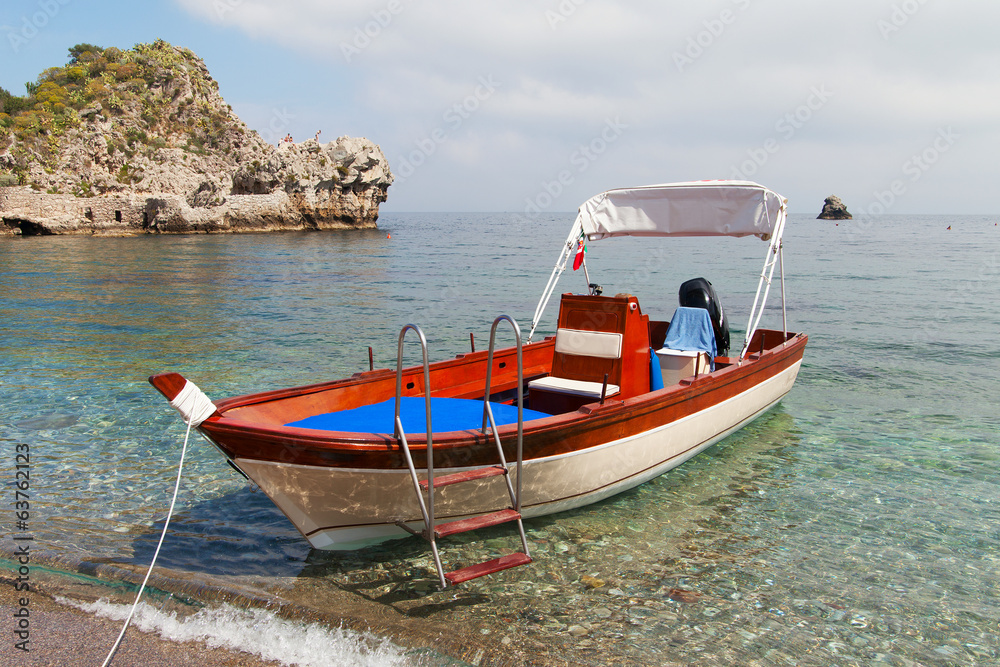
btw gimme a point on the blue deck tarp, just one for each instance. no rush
(447, 414)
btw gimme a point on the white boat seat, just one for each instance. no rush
(579, 343)
(573, 387)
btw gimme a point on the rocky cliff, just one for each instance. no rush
(144, 143)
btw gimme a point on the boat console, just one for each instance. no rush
(602, 346)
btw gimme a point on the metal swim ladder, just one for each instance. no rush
(433, 531)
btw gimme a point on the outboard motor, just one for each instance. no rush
(699, 293)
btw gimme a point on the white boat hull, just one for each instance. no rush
(346, 509)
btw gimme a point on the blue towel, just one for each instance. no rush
(447, 414)
(691, 329)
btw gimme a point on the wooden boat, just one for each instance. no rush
(579, 416)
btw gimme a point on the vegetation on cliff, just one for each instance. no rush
(154, 97)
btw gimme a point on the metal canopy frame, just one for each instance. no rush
(774, 257)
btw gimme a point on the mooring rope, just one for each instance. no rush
(194, 407)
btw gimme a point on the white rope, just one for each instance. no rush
(194, 406)
(170, 512)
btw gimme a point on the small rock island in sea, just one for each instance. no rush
(834, 209)
(140, 141)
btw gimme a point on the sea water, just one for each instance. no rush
(855, 523)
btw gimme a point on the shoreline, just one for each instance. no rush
(64, 635)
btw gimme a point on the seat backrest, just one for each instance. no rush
(587, 355)
(589, 343)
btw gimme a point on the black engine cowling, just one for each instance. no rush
(699, 293)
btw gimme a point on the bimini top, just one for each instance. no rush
(699, 208)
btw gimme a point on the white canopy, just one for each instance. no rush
(700, 208)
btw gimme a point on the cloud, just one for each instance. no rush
(699, 86)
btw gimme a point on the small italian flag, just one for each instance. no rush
(581, 250)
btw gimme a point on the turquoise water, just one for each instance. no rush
(856, 523)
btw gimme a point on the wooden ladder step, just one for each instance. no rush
(489, 567)
(465, 476)
(476, 522)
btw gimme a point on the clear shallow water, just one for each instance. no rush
(857, 523)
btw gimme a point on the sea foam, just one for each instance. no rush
(259, 633)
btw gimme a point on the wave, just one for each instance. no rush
(259, 632)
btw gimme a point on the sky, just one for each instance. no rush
(893, 105)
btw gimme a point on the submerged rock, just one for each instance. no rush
(834, 209)
(51, 422)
